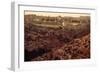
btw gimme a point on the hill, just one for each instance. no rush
(76, 49)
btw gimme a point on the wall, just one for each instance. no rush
(5, 35)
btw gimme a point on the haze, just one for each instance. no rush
(53, 14)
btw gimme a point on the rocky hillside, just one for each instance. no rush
(50, 43)
(76, 49)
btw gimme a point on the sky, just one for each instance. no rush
(53, 14)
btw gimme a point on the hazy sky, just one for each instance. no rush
(56, 14)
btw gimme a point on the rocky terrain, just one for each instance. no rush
(58, 43)
(76, 49)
